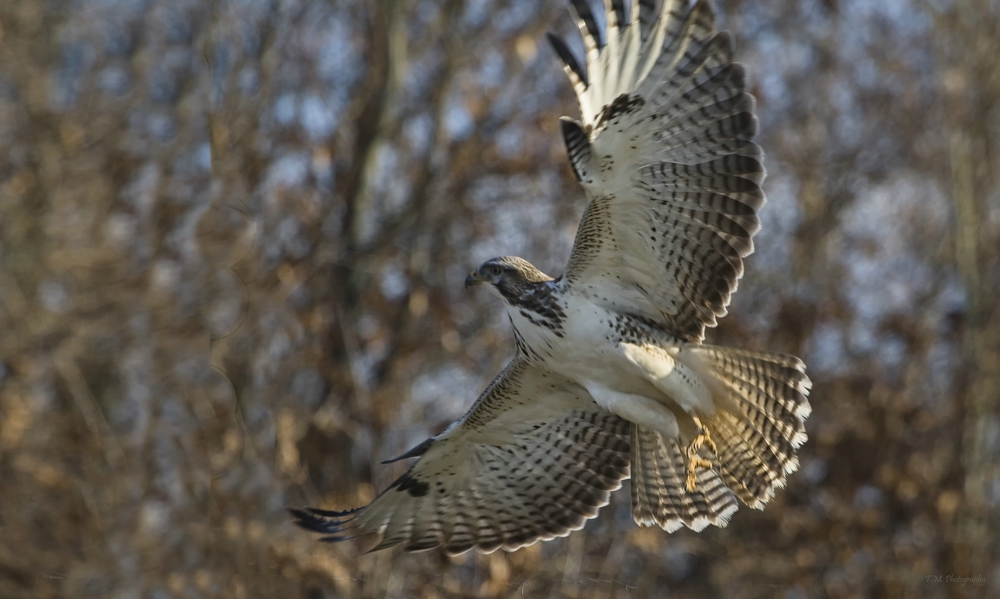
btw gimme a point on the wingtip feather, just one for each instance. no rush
(567, 57)
(585, 14)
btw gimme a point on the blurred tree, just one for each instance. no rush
(232, 243)
(968, 75)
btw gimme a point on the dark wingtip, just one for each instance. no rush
(301, 517)
(586, 14)
(419, 450)
(310, 521)
(323, 521)
(567, 57)
(622, 15)
(334, 514)
(577, 144)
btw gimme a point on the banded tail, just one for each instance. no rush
(762, 404)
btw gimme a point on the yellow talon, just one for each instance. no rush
(694, 460)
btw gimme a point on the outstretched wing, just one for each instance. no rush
(533, 459)
(664, 152)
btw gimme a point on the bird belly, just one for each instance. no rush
(629, 368)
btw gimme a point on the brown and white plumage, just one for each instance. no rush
(664, 152)
(611, 371)
(533, 459)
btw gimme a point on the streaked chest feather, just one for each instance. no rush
(576, 333)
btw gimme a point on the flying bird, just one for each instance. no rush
(611, 379)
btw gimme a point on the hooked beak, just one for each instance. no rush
(472, 279)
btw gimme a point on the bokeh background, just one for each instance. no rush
(233, 236)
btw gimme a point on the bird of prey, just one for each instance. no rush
(611, 378)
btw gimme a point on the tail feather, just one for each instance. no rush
(742, 470)
(762, 403)
(646, 478)
(762, 422)
(790, 430)
(659, 492)
(746, 462)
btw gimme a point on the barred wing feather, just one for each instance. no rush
(533, 459)
(664, 151)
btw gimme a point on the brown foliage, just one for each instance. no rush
(232, 243)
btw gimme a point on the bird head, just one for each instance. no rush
(509, 276)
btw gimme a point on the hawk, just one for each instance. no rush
(611, 378)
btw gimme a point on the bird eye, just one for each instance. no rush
(495, 271)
